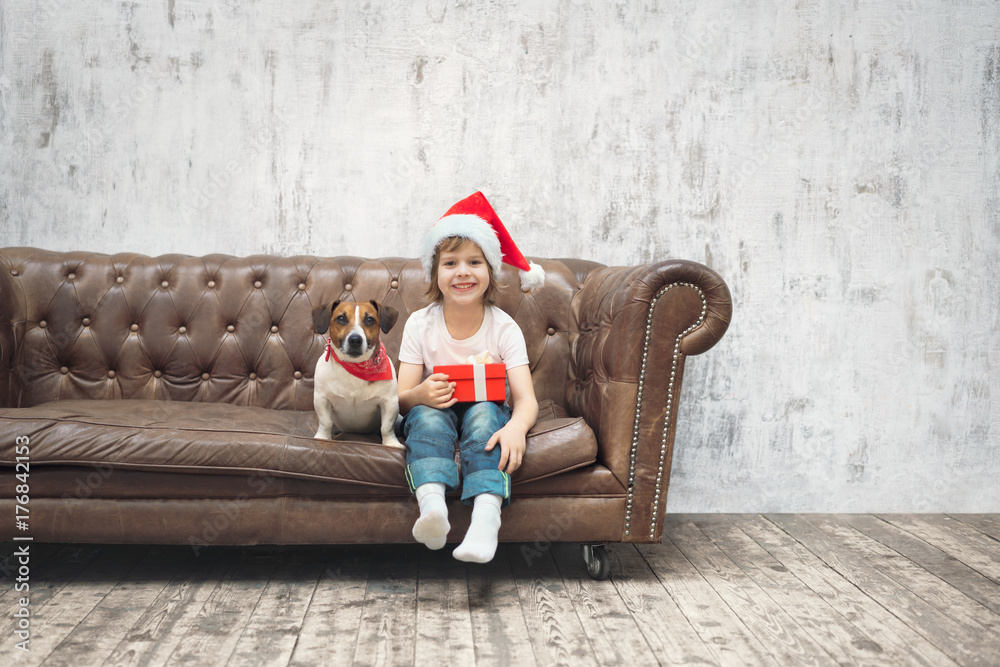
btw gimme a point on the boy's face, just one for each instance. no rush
(463, 274)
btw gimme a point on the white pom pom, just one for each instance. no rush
(533, 278)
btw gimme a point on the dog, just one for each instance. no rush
(355, 382)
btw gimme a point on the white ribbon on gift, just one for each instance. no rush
(479, 381)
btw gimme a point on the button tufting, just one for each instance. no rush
(182, 330)
(64, 370)
(157, 374)
(253, 376)
(120, 280)
(164, 284)
(211, 284)
(394, 284)
(302, 286)
(71, 276)
(230, 328)
(42, 324)
(348, 287)
(15, 272)
(297, 375)
(257, 284)
(134, 327)
(86, 322)
(274, 328)
(111, 375)
(204, 376)
(550, 331)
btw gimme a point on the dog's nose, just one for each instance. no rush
(355, 341)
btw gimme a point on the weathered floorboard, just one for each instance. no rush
(212, 638)
(968, 581)
(99, 632)
(330, 627)
(51, 567)
(170, 616)
(964, 542)
(387, 630)
(841, 639)
(717, 624)
(989, 524)
(889, 635)
(720, 590)
(850, 558)
(63, 611)
(555, 632)
(613, 630)
(444, 622)
(771, 624)
(271, 632)
(499, 631)
(668, 632)
(39, 556)
(950, 602)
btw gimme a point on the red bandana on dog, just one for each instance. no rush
(377, 368)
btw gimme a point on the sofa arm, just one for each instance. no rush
(636, 326)
(8, 392)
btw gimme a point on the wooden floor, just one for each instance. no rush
(720, 589)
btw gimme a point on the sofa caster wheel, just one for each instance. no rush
(596, 558)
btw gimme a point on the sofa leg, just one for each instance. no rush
(596, 558)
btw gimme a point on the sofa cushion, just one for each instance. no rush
(97, 481)
(228, 439)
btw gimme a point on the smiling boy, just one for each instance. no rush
(462, 259)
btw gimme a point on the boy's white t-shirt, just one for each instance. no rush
(426, 340)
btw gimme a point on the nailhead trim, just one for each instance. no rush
(666, 417)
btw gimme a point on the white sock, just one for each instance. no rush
(480, 543)
(431, 529)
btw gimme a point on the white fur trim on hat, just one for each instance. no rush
(470, 227)
(533, 278)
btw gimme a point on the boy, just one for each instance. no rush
(462, 258)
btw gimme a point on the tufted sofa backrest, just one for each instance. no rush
(81, 325)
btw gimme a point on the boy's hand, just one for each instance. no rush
(436, 391)
(512, 445)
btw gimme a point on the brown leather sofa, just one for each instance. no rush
(169, 399)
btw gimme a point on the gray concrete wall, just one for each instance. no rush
(838, 163)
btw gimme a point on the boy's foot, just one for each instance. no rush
(480, 543)
(431, 529)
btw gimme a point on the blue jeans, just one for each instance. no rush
(431, 435)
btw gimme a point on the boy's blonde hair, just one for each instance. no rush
(451, 244)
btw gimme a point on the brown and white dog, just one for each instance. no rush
(355, 383)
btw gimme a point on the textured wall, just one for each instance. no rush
(838, 163)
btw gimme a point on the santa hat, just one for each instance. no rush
(474, 219)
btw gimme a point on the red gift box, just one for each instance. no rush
(477, 382)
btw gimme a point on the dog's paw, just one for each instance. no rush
(391, 441)
(320, 435)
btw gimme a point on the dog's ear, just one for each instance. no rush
(387, 316)
(321, 317)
